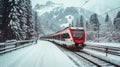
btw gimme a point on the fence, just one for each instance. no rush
(106, 49)
(9, 46)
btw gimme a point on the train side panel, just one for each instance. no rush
(65, 38)
(70, 37)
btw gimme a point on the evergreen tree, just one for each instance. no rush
(72, 24)
(77, 23)
(1, 18)
(118, 15)
(108, 23)
(107, 18)
(37, 25)
(36, 22)
(106, 29)
(87, 26)
(7, 31)
(116, 32)
(81, 24)
(94, 22)
(95, 26)
(30, 29)
(117, 21)
(90, 32)
(17, 19)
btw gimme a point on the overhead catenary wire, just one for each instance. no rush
(85, 2)
(111, 10)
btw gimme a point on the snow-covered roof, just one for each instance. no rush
(77, 28)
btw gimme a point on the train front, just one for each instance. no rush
(79, 37)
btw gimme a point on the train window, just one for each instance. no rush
(66, 35)
(58, 37)
(78, 34)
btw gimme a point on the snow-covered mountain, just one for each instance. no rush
(57, 15)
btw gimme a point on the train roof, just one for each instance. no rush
(72, 28)
(69, 28)
(76, 27)
(63, 30)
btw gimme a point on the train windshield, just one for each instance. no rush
(78, 34)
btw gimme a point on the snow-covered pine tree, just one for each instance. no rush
(116, 34)
(1, 18)
(36, 21)
(94, 22)
(107, 18)
(17, 19)
(37, 24)
(72, 24)
(81, 24)
(89, 31)
(108, 23)
(30, 29)
(87, 26)
(8, 33)
(22, 19)
(117, 21)
(106, 30)
(77, 23)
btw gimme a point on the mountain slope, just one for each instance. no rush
(57, 15)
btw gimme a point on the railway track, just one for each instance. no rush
(96, 61)
(84, 59)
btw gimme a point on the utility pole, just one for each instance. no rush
(98, 32)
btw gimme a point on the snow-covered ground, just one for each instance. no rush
(111, 57)
(42, 54)
(104, 44)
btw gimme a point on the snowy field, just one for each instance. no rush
(42, 54)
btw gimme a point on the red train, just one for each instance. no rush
(70, 37)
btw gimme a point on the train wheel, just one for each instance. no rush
(64, 45)
(82, 47)
(79, 47)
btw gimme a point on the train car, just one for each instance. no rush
(70, 37)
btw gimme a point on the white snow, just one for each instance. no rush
(44, 10)
(42, 54)
(1, 15)
(111, 57)
(54, 16)
(65, 25)
(69, 18)
(69, 21)
(2, 43)
(104, 44)
(47, 8)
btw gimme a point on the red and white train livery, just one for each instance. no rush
(70, 37)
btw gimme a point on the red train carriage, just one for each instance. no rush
(70, 37)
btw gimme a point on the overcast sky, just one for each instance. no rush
(94, 5)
